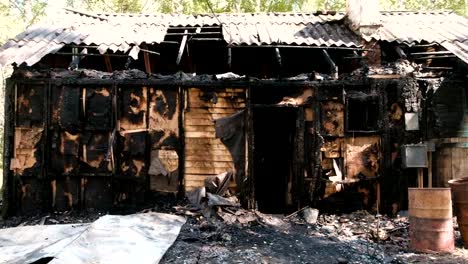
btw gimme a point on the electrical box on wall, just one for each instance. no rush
(414, 156)
(411, 121)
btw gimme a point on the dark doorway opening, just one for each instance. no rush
(274, 131)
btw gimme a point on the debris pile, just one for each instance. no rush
(362, 224)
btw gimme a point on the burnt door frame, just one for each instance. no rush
(298, 155)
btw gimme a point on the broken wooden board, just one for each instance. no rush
(362, 156)
(332, 118)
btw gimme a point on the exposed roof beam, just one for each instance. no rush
(333, 67)
(182, 47)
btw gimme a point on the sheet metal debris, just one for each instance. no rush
(137, 238)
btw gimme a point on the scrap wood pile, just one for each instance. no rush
(215, 199)
(364, 225)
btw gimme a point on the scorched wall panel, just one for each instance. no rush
(206, 155)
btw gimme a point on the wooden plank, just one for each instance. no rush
(209, 159)
(199, 128)
(200, 134)
(209, 116)
(198, 122)
(459, 162)
(206, 170)
(204, 141)
(214, 152)
(220, 101)
(213, 110)
(443, 167)
(208, 164)
(197, 177)
(207, 147)
(237, 106)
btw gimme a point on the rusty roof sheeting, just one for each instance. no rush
(443, 27)
(121, 32)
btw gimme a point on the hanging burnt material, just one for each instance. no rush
(232, 133)
(98, 108)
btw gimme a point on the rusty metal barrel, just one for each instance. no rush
(430, 216)
(460, 201)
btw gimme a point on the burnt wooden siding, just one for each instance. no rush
(206, 155)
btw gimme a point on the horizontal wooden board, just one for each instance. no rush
(210, 116)
(198, 122)
(210, 158)
(213, 110)
(208, 164)
(219, 104)
(200, 134)
(200, 152)
(206, 170)
(210, 128)
(203, 141)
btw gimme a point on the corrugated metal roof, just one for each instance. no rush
(113, 32)
(120, 32)
(445, 28)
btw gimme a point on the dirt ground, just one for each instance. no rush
(275, 239)
(212, 241)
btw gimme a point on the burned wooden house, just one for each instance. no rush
(103, 110)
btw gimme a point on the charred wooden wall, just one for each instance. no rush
(206, 155)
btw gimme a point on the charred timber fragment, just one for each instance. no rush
(333, 67)
(182, 47)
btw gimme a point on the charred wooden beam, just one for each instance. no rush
(435, 57)
(8, 141)
(181, 48)
(193, 33)
(333, 67)
(195, 27)
(90, 54)
(296, 47)
(108, 63)
(207, 39)
(278, 57)
(153, 52)
(146, 58)
(443, 52)
(401, 53)
(229, 58)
